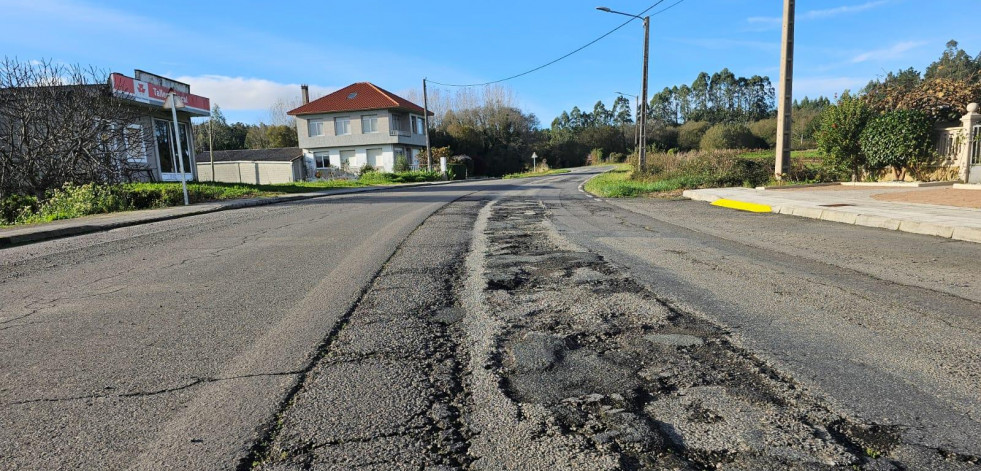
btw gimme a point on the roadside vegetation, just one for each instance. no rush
(539, 173)
(72, 201)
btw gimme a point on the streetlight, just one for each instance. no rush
(642, 156)
(636, 128)
(172, 103)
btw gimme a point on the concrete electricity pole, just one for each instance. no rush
(782, 161)
(642, 155)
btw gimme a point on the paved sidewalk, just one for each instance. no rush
(19, 235)
(863, 206)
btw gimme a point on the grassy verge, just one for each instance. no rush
(72, 201)
(536, 174)
(618, 183)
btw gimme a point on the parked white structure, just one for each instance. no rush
(255, 167)
(959, 147)
(359, 125)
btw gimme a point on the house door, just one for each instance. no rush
(347, 160)
(163, 133)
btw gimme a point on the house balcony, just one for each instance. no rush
(399, 132)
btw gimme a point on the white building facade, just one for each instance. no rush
(357, 126)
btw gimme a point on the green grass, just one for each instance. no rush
(617, 183)
(536, 174)
(810, 154)
(75, 201)
(385, 178)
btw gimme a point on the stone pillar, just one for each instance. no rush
(971, 119)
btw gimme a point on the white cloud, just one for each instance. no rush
(768, 22)
(243, 93)
(828, 13)
(894, 52)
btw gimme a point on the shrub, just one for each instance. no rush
(766, 131)
(456, 171)
(706, 169)
(401, 164)
(690, 134)
(617, 158)
(728, 136)
(72, 201)
(898, 139)
(13, 206)
(366, 168)
(595, 157)
(663, 137)
(841, 128)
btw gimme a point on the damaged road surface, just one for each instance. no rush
(516, 325)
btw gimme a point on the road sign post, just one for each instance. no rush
(534, 165)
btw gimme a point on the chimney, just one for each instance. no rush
(306, 93)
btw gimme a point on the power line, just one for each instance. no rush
(563, 57)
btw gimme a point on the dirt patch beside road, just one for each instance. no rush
(941, 196)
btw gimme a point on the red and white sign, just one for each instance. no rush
(153, 94)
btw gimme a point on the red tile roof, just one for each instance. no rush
(358, 97)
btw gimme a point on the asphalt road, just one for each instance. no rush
(487, 325)
(174, 343)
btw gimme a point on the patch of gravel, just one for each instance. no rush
(576, 366)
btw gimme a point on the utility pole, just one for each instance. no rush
(211, 145)
(425, 117)
(782, 160)
(642, 156)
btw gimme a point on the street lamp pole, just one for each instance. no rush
(642, 156)
(637, 127)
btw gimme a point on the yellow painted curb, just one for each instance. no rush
(742, 206)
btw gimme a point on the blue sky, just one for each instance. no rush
(244, 55)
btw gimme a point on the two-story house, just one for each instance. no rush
(357, 125)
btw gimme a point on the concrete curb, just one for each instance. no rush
(29, 235)
(967, 234)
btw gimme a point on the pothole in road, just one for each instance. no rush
(654, 386)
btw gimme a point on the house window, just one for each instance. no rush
(167, 146)
(315, 127)
(369, 124)
(418, 125)
(134, 143)
(342, 126)
(396, 122)
(322, 159)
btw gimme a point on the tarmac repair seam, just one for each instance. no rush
(742, 206)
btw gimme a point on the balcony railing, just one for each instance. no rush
(399, 132)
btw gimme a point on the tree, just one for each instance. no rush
(898, 139)
(256, 137)
(282, 136)
(954, 64)
(62, 124)
(690, 134)
(621, 111)
(841, 128)
(728, 136)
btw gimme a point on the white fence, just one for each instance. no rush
(250, 172)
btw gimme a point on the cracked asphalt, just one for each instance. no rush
(491, 325)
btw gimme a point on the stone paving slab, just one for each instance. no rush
(19, 235)
(856, 205)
